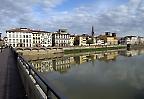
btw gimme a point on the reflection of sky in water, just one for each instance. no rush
(106, 77)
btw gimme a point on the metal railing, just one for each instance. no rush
(47, 89)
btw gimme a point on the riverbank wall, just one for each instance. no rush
(39, 51)
(66, 50)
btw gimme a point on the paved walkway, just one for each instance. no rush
(10, 82)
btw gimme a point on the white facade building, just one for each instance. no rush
(141, 40)
(61, 38)
(19, 37)
(25, 37)
(131, 40)
(46, 39)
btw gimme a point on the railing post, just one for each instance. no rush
(48, 94)
(29, 69)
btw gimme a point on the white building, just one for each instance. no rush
(141, 40)
(61, 38)
(46, 39)
(25, 37)
(20, 37)
(131, 40)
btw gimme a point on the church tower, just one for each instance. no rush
(92, 33)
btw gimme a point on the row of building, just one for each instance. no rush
(25, 37)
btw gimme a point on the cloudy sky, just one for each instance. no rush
(126, 17)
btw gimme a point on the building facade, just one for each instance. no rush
(20, 37)
(72, 38)
(141, 40)
(83, 39)
(61, 38)
(42, 38)
(109, 39)
(36, 38)
(46, 39)
(131, 40)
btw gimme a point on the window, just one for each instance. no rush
(14, 40)
(9, 40)
(9, 35)
(13, 45)
(24, 40)
(20, 40)
(26, 36)
(13, 36)
(23, 36)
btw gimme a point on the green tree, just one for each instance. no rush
(76, 41)
(1, 43)
(89, 41)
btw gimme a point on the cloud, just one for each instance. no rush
(125, 19)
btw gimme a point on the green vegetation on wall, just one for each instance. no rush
(92, 49)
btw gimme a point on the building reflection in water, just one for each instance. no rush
(63, 64)
(130, 53)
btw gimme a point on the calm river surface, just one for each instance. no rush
(105, 75)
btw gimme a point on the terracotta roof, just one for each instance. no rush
(27, 30)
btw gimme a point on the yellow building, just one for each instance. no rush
(109, 39)
(72, 38)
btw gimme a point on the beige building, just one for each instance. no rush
(109, 39)
(72, 38)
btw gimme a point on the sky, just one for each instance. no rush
(125, 17)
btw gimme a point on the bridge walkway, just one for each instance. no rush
(11, 86)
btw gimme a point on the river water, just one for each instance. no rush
(104, 75)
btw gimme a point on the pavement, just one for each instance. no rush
(11, 86)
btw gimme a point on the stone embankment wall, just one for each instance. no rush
(39, 51)
(55, 50)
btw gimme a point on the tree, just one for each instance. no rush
(89, 41)
(1, 44)
(76, 41)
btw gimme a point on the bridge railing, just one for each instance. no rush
(45, 87)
